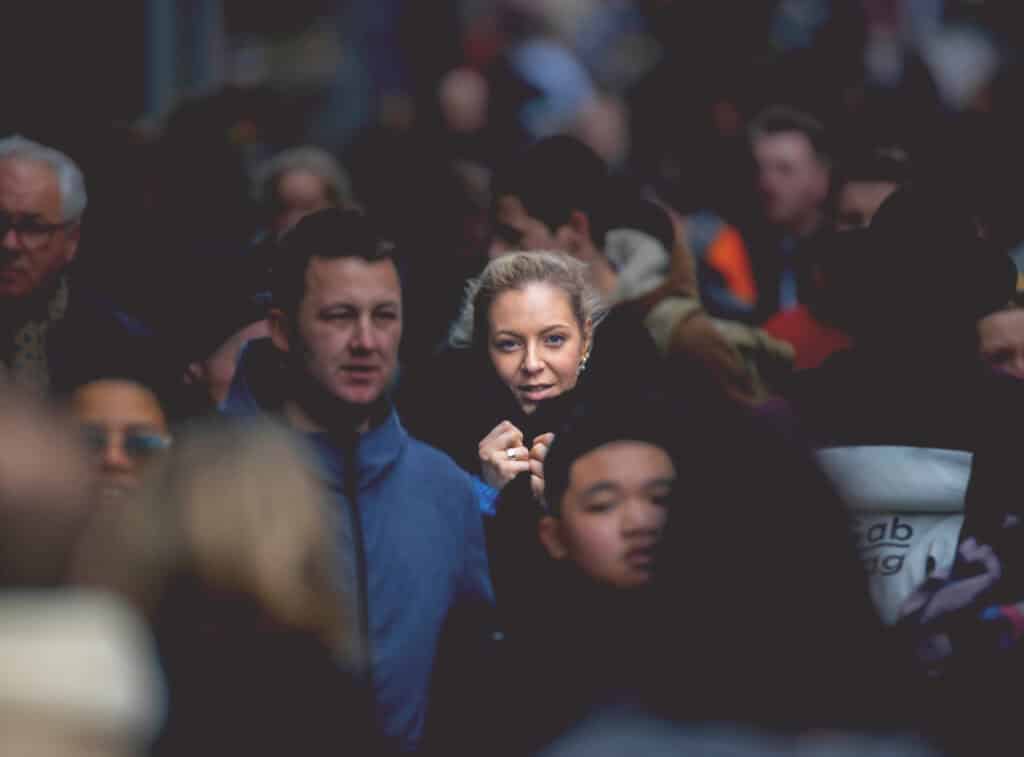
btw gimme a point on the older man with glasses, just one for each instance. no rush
(53, 335)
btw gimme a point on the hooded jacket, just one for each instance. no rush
(414, 517)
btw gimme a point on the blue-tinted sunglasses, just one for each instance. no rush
(139, 444)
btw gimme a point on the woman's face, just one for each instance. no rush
(614, 512)
(535, 343)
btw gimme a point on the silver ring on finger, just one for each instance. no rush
(510, 453)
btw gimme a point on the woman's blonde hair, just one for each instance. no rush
(514, 272)
(238, 509)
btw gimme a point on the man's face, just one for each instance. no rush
(1002, 341)
(34, 251)
(299, 193)
(792, 180)
(516, 230)
(859, 201)
(347, 328)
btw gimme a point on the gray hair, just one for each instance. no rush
(309, 159)
(515, 271)
(73, 198)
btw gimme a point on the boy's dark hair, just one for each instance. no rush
(556, 176)
(780, 119)
(883, 164)
(654, 420)
(328, 235)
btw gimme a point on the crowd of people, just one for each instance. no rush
(523, 446)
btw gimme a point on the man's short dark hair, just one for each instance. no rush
(556, 176)
(782, 119)
(328, 235)
(889, 164)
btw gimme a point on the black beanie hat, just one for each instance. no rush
(921, 261)
(655, 422)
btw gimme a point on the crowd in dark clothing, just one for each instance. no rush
(497, 431)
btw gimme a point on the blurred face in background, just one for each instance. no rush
(298, 193)
(858, 201)
(462, 95)
(516, 230)
(37, 244)
(792, 180)
(1002, 341)
(124, 429)
(613, 514)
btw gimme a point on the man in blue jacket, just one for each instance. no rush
(409, 521)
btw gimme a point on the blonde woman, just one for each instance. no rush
(532, 344)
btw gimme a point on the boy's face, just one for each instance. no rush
(613, 513)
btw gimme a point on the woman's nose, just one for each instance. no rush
(532, 362)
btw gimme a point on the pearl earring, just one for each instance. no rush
(583, 363)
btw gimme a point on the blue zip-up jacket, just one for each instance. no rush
(422, 538)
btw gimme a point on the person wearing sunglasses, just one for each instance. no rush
(123, 427)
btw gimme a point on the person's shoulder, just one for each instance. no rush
(88, 311)
(443, 469)
(1002, 401)
(437, 478)
(621, 339)
(621, 322)
(835, 376)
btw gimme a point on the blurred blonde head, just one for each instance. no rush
(44, 490)
(238, 510)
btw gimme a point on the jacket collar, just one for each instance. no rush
(377, 450)
(258, 384)
(258, 387)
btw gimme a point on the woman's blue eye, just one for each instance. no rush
(505, 345)
(555, 340)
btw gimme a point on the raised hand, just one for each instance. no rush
(502, 455)
(538, 452)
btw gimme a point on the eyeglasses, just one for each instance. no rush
(30, 235)
(138, 444)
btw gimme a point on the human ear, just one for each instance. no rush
(588, 336)
(280, 335)
(579, 223)
(550, 532)
(573, 237)
(71, 245)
